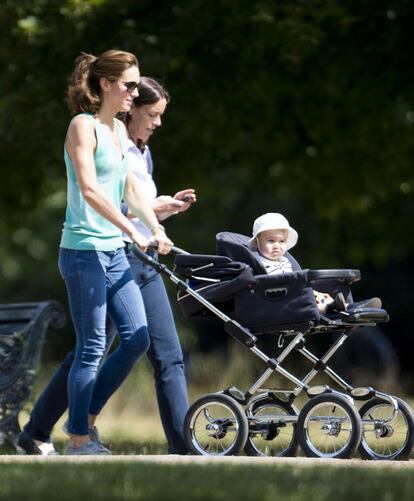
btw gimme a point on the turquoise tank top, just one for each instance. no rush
(84, 228)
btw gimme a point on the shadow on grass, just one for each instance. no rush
(120, 447)
(130, 447)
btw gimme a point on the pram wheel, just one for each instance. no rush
(215, 425)
(270, 434)
(385, 435)
(329, 426)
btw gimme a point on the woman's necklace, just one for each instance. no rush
(113, 132)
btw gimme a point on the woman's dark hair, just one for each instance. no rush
(150, 92)
(84, 90)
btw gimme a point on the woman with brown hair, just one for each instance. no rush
(92, 259)
(165, 352)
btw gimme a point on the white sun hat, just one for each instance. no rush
(273, 221)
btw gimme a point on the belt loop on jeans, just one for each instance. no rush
(128, 246)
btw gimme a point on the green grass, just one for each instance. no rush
(149, 481)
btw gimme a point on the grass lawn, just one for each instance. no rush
(130, 425)
(128, 480)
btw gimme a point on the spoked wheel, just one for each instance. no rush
(270, 433)
(215, 425)
(385, 434)
(329, 426)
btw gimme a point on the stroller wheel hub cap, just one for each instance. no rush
(384, 431)
(333, 428)
(216, 430)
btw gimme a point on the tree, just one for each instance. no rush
(302, 107)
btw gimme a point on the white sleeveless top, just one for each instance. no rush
(138, 162)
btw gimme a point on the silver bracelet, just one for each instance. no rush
(157, 226)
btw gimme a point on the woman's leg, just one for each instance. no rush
(51, 404)
(53, 401)
(126, 309)
(84, 273)
(165, 354)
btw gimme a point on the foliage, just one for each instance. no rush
(303, 107)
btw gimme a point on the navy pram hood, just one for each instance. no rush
(236, 281)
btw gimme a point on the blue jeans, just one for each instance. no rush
(164, 354)
(100, 283)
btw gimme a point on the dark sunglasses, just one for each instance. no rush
(130, 86)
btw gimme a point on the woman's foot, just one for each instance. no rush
(27, 445)
(93, 434)
(89, 448)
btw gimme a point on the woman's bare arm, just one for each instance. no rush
(80, 145)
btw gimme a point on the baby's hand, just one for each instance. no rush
(322, 297)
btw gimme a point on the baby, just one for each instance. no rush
(272, 237)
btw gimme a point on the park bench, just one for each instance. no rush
(22, 332)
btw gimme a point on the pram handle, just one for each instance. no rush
(348, 276)
(147, 259)
(174, 250)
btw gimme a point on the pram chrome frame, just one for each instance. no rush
(256, 393)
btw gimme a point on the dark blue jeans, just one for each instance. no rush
(165, 355)
(100, 283)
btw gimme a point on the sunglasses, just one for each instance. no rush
(130, 86)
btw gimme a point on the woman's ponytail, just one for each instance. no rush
(84, 91)
(82, 96)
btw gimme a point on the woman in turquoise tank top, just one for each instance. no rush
(165, 353)
(92, 259)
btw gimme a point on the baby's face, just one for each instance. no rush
(272, 243)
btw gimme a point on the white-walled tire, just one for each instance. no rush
(385, 435)
(329, 426)
(215, 425)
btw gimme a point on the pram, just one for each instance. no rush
(233, 286)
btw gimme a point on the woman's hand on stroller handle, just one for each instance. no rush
(164, 244)
(160, 242)
(153, 244)
(140, 241)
